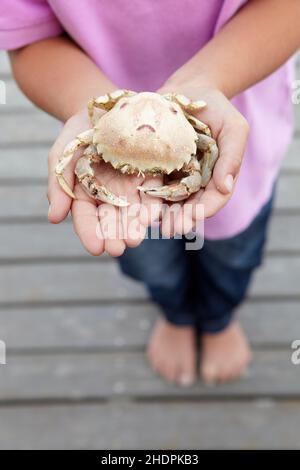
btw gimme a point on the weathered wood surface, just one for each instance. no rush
(78, 376)
(40, 129)
(92, 281)
(166, 425)
(27, 129)
(76, 329)
(34, 201)
(126, 326)
(31, 163)
(70, 282)
(40, 240)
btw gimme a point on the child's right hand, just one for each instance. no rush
(100, 227)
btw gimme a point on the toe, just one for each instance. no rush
(209, 373)
(186, 374)
(167, 370)
(185, 380)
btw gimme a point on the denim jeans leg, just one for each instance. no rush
(223, 272)
(162, 266)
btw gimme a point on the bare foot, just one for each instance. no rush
(172, 352)
(224, 356)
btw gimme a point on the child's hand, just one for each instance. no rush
(100, 227)
(230, 129)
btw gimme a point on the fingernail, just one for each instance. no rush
(229, 183)
(186, 380)
(49, 210)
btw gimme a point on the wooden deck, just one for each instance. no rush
(76, 376)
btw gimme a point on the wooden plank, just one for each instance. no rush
(127, 374)
(292, 160)
(284, 233)
(279, 276)
(4, 64)
(92, 281)
(15, 98)
(35, 204)
(23, 201)
(103, 327)
(35, 128)
(77, 327)
(26, 163)
(288, 192)
(297, 119)
(31, 163)
(249, 425)
(17, 129)
(43, 129)
(43, 240)
(39, 240)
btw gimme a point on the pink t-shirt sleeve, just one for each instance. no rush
(25, 21)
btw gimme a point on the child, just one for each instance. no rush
(63, 53)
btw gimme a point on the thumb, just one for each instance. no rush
(60, 202)
(232, 143)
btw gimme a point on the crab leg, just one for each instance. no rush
(108, 101)
(180, 189)
(86, 177)
(83, 139)
(185, 103)
(198, 125)
(208, 146)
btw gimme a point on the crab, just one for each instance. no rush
(143, 134)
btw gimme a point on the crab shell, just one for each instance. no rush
(145, 133)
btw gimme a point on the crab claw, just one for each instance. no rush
(87, 179)
(169, 192)
(83, 139)
(180, 189)
(101, 193)
(177, 190)
(186, 103)
(64, 185)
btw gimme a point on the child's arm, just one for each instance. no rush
(252, 45)
(58, 77)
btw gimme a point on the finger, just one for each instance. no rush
(232, 143)
(133, 231)
(150, 206)
(184, 220)
(168, 220)
(59, 201)
(87, 226)
(208, 202)
(112, 230)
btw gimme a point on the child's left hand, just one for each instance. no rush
(100, 227)
(230, 129)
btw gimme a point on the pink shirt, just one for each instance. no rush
(138, 44)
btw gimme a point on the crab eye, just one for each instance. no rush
(123, 105)
(174, 111)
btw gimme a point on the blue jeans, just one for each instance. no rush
(200, 288)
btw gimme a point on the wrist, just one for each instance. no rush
(196, 88)
(192, 79)
(191, 87)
